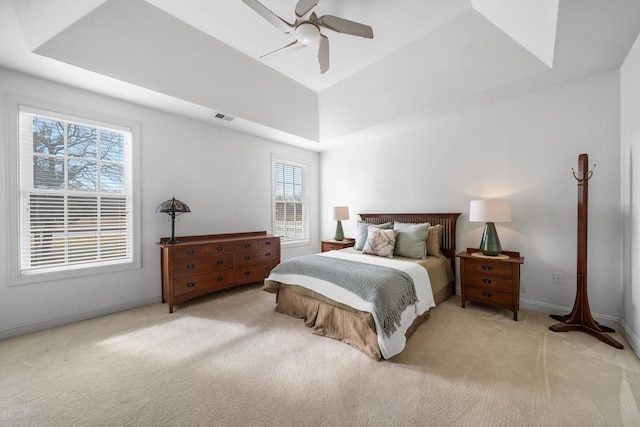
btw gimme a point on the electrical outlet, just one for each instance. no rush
(557, 277)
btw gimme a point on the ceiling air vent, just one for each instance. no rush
(223, 117)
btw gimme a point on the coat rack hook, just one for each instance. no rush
(586, 176)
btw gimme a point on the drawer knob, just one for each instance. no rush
(219, 278)
(486, 267)
(246, 273)
(219, 262)
(247, 258)
(191, 251)
(487, 294)
(268, 243)
(486, 281)
(191, 284)
(219, 248)
(247, 245)
(267, 254)
(191, 266)
(331, 247)
(268, 268)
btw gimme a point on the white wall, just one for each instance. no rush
(522, 149)
(630, 133)
(223, 175)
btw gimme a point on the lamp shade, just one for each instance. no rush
(173, 205)
(339, 213)
(498, 210)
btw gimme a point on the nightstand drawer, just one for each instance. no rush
(489, 281)
(488, 267)
(335, 245)
(489, 295)
(326, 247)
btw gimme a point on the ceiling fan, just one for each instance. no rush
(307, 29)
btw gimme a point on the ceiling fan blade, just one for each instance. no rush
(345, 26)
(291, 47)
(323, 54)
(258, 7)
(304, 6)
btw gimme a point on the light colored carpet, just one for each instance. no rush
(228, 359)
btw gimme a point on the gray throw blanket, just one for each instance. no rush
(390, 291)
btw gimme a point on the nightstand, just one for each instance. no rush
(331, 245)
(491, 280)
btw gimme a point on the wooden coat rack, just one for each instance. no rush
(580, 318)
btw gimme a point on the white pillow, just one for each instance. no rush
(380, 242)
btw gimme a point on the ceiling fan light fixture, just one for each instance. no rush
(308, 34)
(308, 29)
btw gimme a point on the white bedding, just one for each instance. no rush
(389, 345)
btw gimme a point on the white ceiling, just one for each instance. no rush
(428, 58)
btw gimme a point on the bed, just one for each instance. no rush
(336, 313)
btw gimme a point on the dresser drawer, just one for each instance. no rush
(216, 248)
(268, 243)
(188, 266)
(190, 251)
(202, 282)
(255, 257)
(488, 267)
(489, 295)
(254, 273)
(221, 261)
(489, 281)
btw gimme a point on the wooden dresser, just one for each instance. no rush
(491, 280)
(199, 265)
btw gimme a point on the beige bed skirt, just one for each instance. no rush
(350, 326)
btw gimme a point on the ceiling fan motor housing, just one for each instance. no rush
(307, 33)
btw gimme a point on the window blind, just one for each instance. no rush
(290, 201)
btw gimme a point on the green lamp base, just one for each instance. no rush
(339, 233)
(490, 243)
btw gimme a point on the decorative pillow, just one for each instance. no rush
(380, 242)
(434, 240)
(412, 240)
(362, 232)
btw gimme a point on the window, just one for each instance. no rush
(290, 216)
(75, 191)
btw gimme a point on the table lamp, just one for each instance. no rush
(339, 213)
(173, 208)
(490, 212)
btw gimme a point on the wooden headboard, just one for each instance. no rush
(448, 221)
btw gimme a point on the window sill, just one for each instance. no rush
(71, 273)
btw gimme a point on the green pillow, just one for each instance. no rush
(411, 241)
(363, 230)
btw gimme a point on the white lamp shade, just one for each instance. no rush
(490, 211)
(339, 213)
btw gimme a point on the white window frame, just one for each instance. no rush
(16, 274)
(304, 239)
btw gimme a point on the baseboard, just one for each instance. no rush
(52, 322)
(610, 321)
(632, 339)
